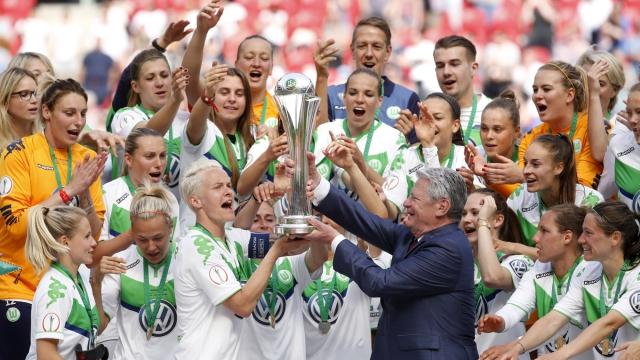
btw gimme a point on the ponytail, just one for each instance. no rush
(44, 228)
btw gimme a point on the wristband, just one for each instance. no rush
(66, 199)
(524, 350)
(483, 222)
(157, 46)
(209, 101)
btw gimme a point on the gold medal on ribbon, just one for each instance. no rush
(559, 343)
(272, 320)
(605, 344)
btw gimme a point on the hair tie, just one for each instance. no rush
(563, 73)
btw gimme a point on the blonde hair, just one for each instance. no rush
(615, 74)
(150, 201)
(45, 226)
(573, 77)
(8, 82)
(191, 181)
(21, 59)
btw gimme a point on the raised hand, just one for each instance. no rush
(209, 16)
(214, 76)
(474, 160)
(112, 265)
(338, 153)
(278, 146)
(404, 123)
(179, 83)
(358, 158)
(503, 171)
(425, 126)
(323, 232)
(510, 351)
(599, 69)
(314, 176)
(103, 141)
(85, 173)
(467, 175)
(488, 208)
(174, 33)
(324, 54)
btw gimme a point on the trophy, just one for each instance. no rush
(298, 105)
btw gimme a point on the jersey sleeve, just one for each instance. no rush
(300, 271)
(521, 303)
(111, 294)
(214, 277)
(52, 308)
(607, 186)
(517, 265)
(15, 199)
(629, 306)
(572, 304)
(208, 140)
(257, 149)
(125, 120)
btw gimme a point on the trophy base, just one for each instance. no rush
(294, 225)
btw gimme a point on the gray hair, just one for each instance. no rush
(446, 184)
(190, 182)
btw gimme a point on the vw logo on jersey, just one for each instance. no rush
(482, 308)
(324, 170)
(634, 301)
(519, 267)
(174, 171)
(313, 309)
(635, 203)
(261, 311)
(165, 321)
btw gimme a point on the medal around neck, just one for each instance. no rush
(298, 105)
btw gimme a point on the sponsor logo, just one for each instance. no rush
(50, 322)
(133, 264)
(285, 277)
(375, 164)
(532, 207)
(165, 321)
(122, 198)
(314, 309)
(261, 312)
(540, 276)
(626, 152)
(14, 146)
(482, 308)
(416, 168)
(56, 291)
(5, 185)
(218, 275)
(44, 167)
(290, 84)
(589, 282)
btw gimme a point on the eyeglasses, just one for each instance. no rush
(26, 95)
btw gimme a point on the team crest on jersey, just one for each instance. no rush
(634, 301)
(519, 267)
(165, 321)
(261, 312)
(285, 276)
(577, 145)
(314, 309)
(635, 203)
(5, 185)
(324, 170)
(393, 112)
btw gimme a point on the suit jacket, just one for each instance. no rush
(427, 293)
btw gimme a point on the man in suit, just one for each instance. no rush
(427, 293)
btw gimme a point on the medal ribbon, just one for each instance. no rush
(572, 130)
(472, 117)
(263, 114)
(56, 170)
(152, 314)
(132, 188)
(274, 285)
(557, 285)
(93, 320)
(449, 159)
(374, 124)
(617, 281)
(325, 301)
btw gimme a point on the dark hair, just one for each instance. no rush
(251, 37)
(614, 216)
(59, 88)
(244, 126)
(561, 150)
(573, 77)
(376, 22)
(450, 41)
(510, 230)
(369, 72)
(569, 217)
(455, 113)
(136, 65)
(506, 101)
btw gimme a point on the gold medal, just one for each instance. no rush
(605, 344)
(559, 343)
(149, 332)
(272, 320)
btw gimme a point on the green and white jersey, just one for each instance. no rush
(257, 149)
(117, 195)
(622, 170)
(58, 312)
(488, 301)
(529, 208)
(540, 290)
(404, 169)
(207, 272)
(126, 119)
(123, 298)
(590, 297)
(286, 340)
(473, 132)
(379, 145)
(342, 304)
(212, 147)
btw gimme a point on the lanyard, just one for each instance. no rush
(574, 124)
(222, 244)
(56, 170)
(559, 283)
(132, 188)
(263, 114)
(472, 117)
(152, 314)
(374, 124)
(541, 206)
(325, 300)
(93, 321)
(602, 303)
(449, 159)
(238, 149)
(274, 285)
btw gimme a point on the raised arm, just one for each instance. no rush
(324, 54)
(197, 125)
(598, 138)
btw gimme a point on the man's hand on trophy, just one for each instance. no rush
(325, 53)
(314, 177)
(338, 153)
(214, 76)
(322, 232)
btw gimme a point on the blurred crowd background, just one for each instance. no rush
(92, 41)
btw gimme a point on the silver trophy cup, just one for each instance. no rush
(298, 105)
